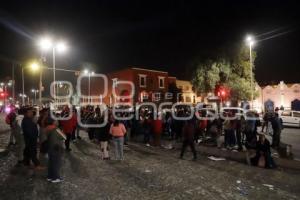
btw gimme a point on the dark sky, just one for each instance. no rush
(164, 35)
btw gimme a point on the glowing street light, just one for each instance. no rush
(34, 66)
(46, 44)
(250, 41)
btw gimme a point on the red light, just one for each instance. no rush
(223, 93)
(2, 94)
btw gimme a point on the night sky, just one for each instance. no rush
(163, 35)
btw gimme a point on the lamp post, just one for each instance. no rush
(87, 72)
(250, 42)
(45, 45)
(34, 91)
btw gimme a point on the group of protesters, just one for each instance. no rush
(42, 132)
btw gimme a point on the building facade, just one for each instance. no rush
(284, 96)
(187, 94)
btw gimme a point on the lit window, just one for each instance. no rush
(142, 79)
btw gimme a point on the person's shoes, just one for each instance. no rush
(68, 150)
(58, 180)
(148, 145)
(78, 137)
(49, 179)
(194, 159)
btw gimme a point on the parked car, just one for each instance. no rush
(290, 118)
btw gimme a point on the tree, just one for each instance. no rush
(233, 72)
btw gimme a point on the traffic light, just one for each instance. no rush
(3, 94)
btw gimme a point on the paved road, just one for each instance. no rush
(146, 173)
(292, 136)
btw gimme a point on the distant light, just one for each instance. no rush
(2, 84)
(34, 66)
(9, 83)
(61, 47)
(93, 73)
(7, 109)
(45, 43)
(86, 71)
(32, 90)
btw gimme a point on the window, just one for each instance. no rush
(286, 114)
(187, 88)
(157, 96)
(142, 79)
(296, 114)
(161, 82)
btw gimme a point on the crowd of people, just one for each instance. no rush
(49, 138)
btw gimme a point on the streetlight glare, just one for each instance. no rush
(34, 66)
(86, 71)
(61, 47)
(45, 44)
(250, 40)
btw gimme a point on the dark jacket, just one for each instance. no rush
(30, 129)
(188, 131)
(55, 140)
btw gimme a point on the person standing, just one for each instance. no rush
(16, 127)
(118, 130)
(55, 151)
(188, 133)
(68, 127)
(30, 132)
(277, 127)
(157, 127)
(104, 137)
(10, 118)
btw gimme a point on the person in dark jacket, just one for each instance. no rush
(263, 151)
(104, 137)
(30, 132)
(55, 151)
(277, 127)
(188, 134)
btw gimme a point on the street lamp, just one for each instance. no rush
(87, 72)
(34, 91)
(250, 41)
(46, 44)
(34, 67)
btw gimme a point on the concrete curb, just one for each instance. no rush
(242, 157)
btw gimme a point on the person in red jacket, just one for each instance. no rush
(68, 127)
(157, 126)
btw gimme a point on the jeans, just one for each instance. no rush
(20, 145)
(12, 137)
(30, 151)
(54, 164)
(67, 141)
(119, 146)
